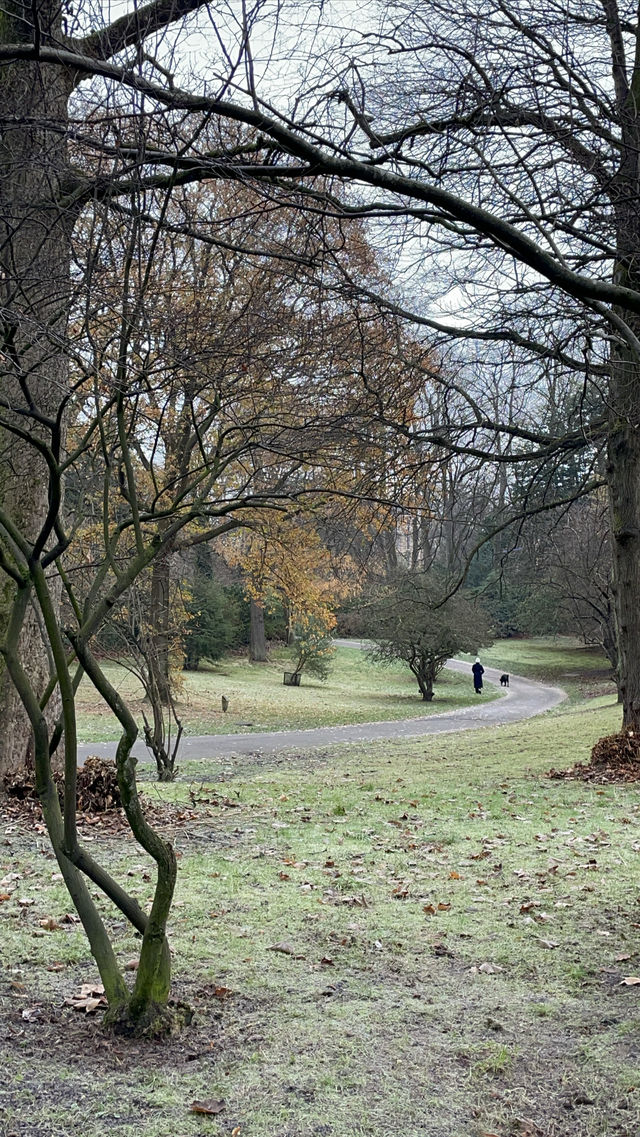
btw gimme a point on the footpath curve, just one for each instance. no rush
(522, 700)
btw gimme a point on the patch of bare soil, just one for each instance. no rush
(615, 758)
(70, 1065)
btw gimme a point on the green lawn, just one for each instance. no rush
(356, 691)
(456, 931)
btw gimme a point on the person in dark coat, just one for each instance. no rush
(478, 672)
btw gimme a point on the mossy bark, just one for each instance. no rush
(147, 1011)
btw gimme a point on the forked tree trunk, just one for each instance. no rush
(425, 678)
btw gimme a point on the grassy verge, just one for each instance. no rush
(356, 691)
(454, 932)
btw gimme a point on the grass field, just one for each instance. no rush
(356, 691)
(455, 930)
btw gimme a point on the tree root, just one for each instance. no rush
(156, 1021)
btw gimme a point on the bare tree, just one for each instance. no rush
(575, 561)
(494, 150)
(175, 423)
(410, 622)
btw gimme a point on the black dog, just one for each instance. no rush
(504, 680)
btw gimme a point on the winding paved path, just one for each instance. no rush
(522, 700)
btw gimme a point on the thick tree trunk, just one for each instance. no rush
(623, 468)
(257, 640)
(35, 236)
(624, 499)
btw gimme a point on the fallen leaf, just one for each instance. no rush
(210, 1106)
(443, 907)
(56, 967)
(430, 909)
(31, 1014)
(327, 961)
(547, 943)
(286, 949)
(222, 992)
(454, 876)
(88, 998)
(131, 965)
(630, 981)
(50, 924)
(400, 892)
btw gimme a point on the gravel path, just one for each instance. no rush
(522, 700)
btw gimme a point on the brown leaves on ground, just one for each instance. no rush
(98, 801)
(615, 758)
(97, 787)
(89, 998)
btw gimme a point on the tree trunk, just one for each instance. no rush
(425, 678)
(623, 443)
(159, 626)
(389, 542)
(35, 236)
(257, 641)
(624, 500)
